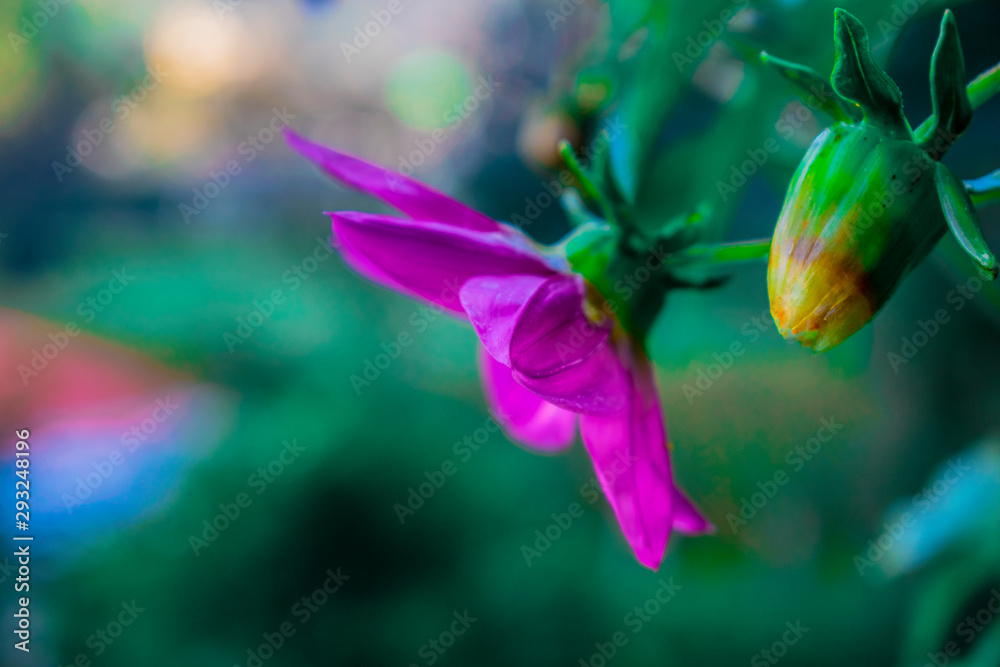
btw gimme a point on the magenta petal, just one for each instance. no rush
(597, 385)
(523, 415)
(553, 332)
(493, 304)
(409, 196)
(633, 465)
(431, 260)
(539, 328)
(687, 518)
(557, 352)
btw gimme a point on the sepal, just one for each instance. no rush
(963, 221)
(952, 108)
(809, 84)
(857, 78)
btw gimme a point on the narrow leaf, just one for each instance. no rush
(813, 89)
(858, 78)
(964, 221)
(952, 108)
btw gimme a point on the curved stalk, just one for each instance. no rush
(589, 190)
(724, 253)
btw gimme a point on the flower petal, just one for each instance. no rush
(633, 465)
(406, 194)
(431, 260)
(493, 304)
(597, 385)
(553, 332)
(687, 518)
(538, 327)
(523, 415)
(559, 353)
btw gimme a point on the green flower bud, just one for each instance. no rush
(862, 210)
(870, 199)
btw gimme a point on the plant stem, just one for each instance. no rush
(590, 191)
(984, 86)
(724, 253)
(984, 190)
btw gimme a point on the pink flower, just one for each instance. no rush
(553, 353)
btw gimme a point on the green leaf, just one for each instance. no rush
(858, 78)
(589, 248)
(684, 230)
(964, 221)
(952, 108)
(810, 85)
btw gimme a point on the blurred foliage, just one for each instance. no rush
(687, 126)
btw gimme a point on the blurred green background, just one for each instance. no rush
(205, 470)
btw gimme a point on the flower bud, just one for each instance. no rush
(862, 210)
(870, 199)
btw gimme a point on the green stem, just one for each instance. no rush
(984, 86)
(985, 190)
(724, 253)
(589, 190)
(981, 89)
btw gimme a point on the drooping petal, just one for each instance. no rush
(431, 260)
(553, 331)
(687, 518)
(598, 385)
(522, 414)
(541, 330)
(561, 354)
(493, 304)
(633, 465)
(406, 194)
